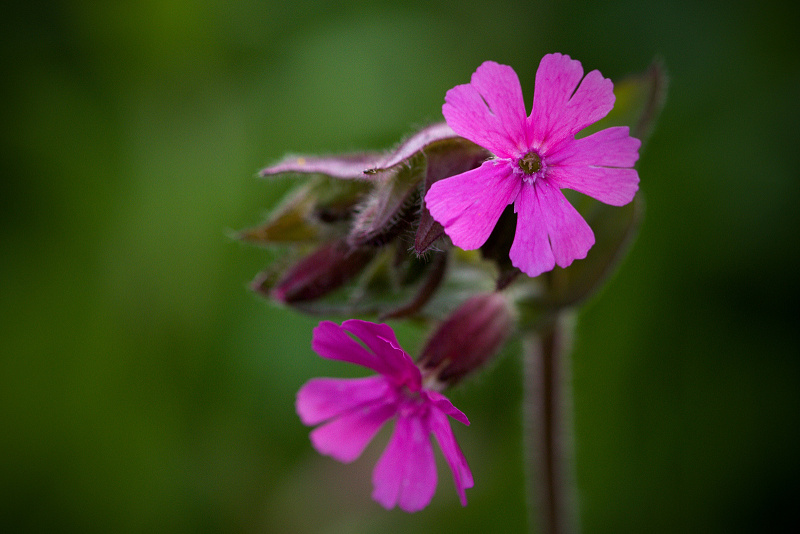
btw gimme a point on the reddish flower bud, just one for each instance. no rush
(467, 339)
(391, 207)
(324, 270)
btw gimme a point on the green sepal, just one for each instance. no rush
(320, 209)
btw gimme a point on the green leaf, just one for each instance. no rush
(614, 229)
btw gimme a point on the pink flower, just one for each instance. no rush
(353, 410)
(535, 157)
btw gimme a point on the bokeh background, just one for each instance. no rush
(143, 388)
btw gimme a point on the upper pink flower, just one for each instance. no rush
(353, 410)
(535, 157)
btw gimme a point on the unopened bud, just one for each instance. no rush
(467, 339)
(392, 205)
(323, 271)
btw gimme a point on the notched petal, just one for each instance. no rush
(639, 100)
(569, 234)
(468, 114)
(405, 475)
(499, 87)
(444, 161)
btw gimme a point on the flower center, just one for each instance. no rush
(530, 163)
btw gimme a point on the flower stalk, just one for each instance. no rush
(549, 444)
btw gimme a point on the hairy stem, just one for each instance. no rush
(552, 500)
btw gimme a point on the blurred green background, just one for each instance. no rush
(143, 388)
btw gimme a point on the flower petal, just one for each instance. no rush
(332, 342)
(380, 339)
(607, 184)
(570, 235)
(531, 251)
(323, 398)
(557, 113)
(345, 438)
(590, 103)
(556, 79)
(444, 405)
(612, 147)
(490, 110)
(592, 164)
(468, 205)
(462, 476)
(499, 87)
(405, 475)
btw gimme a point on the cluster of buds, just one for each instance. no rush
(361, 239)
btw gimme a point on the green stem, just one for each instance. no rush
(552, 499)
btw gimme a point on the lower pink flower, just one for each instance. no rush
(353, 410)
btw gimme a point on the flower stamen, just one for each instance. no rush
(530, 163)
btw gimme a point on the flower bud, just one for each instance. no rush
(317, 210)
(391, 207)
(358, 213)
(324, 270)
(467, 339)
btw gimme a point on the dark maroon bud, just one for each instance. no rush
(324, 270)
(466, 340)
